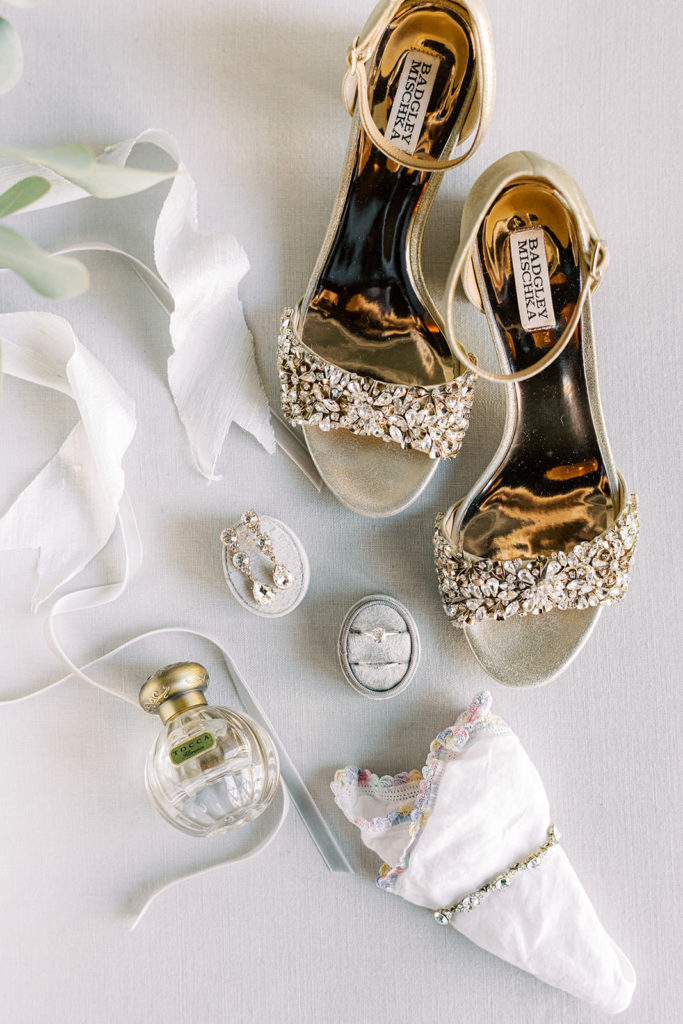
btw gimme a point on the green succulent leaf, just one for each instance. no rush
(78, 165)
(23, 194)
(56, 277)
(11, 56)
(73, 158)
(109, 181)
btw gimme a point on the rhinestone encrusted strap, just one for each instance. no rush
(593, 572)
(500, 882)
(317, 393)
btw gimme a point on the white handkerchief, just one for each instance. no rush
(476, 808)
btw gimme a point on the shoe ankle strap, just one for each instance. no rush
(355, 86)
(596, 260)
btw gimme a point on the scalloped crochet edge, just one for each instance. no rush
(444, 748)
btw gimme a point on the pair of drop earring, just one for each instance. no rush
(283, 579)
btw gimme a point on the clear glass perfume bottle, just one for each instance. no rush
(210, 769)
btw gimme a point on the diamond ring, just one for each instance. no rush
(379, 634)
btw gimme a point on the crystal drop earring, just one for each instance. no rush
(282, 577)
(261, 592)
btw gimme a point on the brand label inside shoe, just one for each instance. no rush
(411, 101)
(532, 282)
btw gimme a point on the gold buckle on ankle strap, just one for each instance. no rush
(599, 260)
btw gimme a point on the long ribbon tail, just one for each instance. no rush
(293, 447)
(301, 798)
(93, 597)
(273, 830)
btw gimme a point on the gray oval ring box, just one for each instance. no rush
(379, 647)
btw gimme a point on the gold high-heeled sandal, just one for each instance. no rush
(363, 359)
(546, 537)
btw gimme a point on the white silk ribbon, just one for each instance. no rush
(292, 785)
(212, 372)
(68, 511)
(84, 499)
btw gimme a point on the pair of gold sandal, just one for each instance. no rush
(383, 388)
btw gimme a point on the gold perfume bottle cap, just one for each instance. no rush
(174, 689)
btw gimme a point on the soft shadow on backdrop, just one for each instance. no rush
(252, 94)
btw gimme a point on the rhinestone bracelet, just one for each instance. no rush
(500, 882)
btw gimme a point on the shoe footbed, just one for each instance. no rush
(367, 475)
(552, 488)
(364, 313)
(531, 650)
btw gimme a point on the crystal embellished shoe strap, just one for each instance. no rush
(592, 573)
(317, 393)
(500, 882)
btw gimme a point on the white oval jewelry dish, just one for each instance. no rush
(270, 590)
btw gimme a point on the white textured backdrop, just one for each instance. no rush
(252, 93)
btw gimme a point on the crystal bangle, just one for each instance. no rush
(500, 882)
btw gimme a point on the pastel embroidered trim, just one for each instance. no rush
(314, 392)
(592, 573)
(444, 749)
(391, 788)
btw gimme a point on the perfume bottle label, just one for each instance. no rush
(411, 101)
(532, 283)
(190, 748)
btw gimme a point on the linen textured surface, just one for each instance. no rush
(252, 94)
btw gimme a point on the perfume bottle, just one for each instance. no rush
(210, 769)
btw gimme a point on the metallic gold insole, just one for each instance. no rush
(365, 313)
(551, 490)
